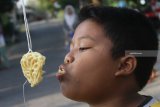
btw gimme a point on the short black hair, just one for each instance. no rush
(128, 30)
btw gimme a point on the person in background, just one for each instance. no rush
(70, 22)
(3, 54)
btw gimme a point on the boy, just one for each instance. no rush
(99, 69)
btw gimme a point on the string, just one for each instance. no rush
(28, 41)
(24, 99)
(27, 28)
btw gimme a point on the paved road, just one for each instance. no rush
(47, 38)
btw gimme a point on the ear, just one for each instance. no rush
(126, 66)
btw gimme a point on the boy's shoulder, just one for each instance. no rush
(150, 102)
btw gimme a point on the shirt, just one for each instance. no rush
(150, 102)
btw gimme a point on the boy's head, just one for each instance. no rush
(129, 31)
(96, 67)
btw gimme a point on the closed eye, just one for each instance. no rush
(84, 48)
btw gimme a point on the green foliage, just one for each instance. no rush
(45, 5)
(5, 6)
(130, 3)
(110, 3)
(4, 19)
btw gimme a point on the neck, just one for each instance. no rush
(127, 101)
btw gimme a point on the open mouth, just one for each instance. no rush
(60, 74)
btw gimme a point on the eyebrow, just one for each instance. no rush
(86, 37)
(83, 37)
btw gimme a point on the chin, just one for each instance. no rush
(71, 94)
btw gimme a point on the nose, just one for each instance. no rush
(68, 58)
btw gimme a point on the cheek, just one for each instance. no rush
(79, 82)
(88, 74)
(92, 72)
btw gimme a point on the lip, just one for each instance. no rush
(60, 73)
(59, 76)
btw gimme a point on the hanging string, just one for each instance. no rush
(28, 40)
(27, 28)
(24, 99)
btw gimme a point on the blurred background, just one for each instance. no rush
(51, 24)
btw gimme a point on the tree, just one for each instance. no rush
(6, 5)
(45, 5)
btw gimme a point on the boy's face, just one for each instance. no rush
(89, 65)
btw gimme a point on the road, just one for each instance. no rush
(48, 39)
